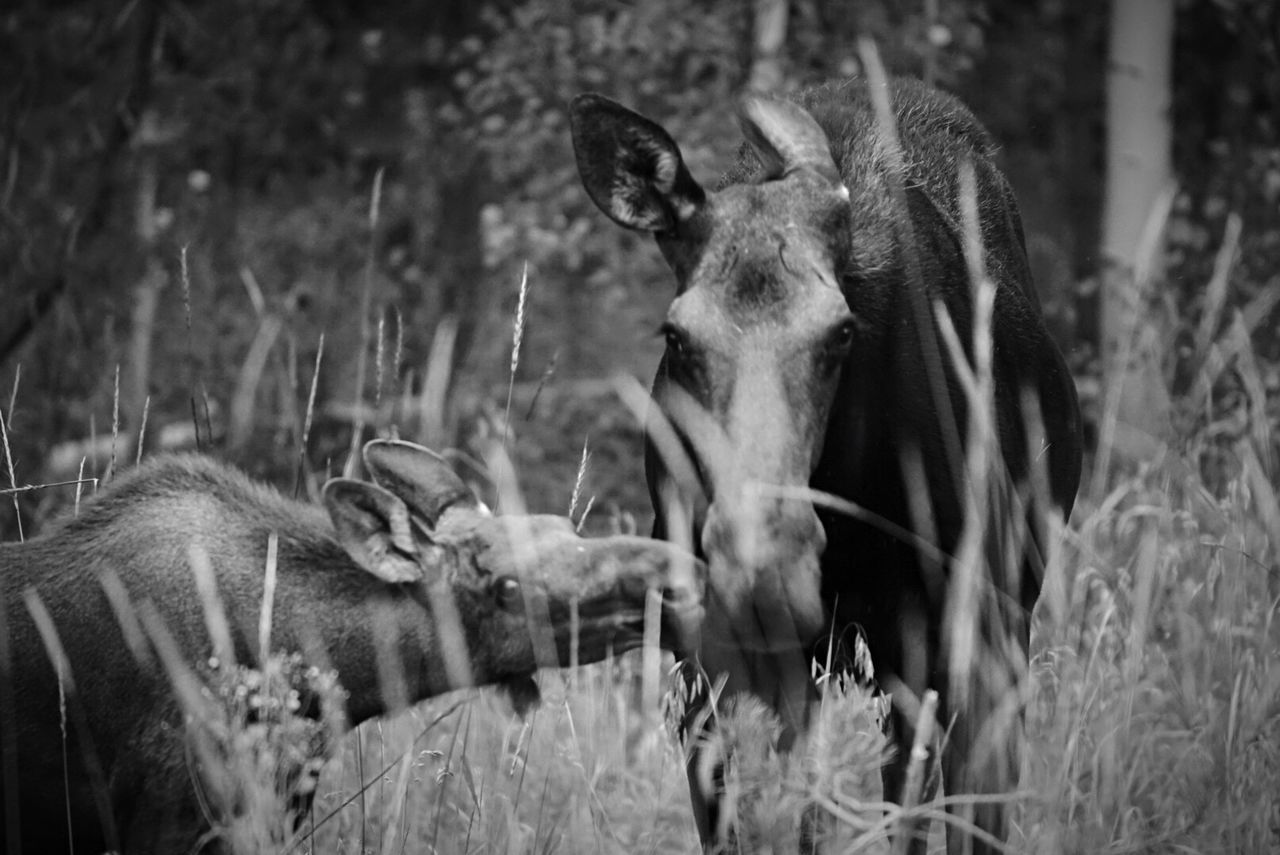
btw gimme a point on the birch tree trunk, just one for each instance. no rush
(1138, 193)
(769, 35)
(136, 373)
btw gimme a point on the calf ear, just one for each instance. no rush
(422, 479)
(785, 137)
(631, 167)
(374, 528)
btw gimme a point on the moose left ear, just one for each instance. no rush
(422, 479)
(631, 167)
(785, 137)
(374, 528)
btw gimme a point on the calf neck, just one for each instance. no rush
(411, 564)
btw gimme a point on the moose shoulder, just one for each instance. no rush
(413, 561)
(804, 357)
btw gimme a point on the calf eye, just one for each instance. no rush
(506, 590)
(675, 340)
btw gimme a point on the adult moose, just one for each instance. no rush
(412, 564)
(803, 357)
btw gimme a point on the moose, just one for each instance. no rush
(824, 420)
(384, 566)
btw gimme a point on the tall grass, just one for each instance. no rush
(1152, 710)
(1153, 722)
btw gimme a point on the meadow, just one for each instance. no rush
(1152, 704)
(1152, 710)
(1153, 715)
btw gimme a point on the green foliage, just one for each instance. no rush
(1157, 710)
(261, 739)
(1227, 148)
(670, 59)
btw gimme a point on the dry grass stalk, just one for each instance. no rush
(80, 480)
(913, 791)
(379, 362)
(308, 415)
(433, 400)
(8, 461)
(517, 338)
(115, 427)
(215, 616)
(142, 430)
(578, 480)
(1215, 295)
(268, 597)
(362, 352)
(13, 391)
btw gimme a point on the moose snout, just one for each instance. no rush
(639, 564)
(765, 577)
(753, 533)
(634, 569)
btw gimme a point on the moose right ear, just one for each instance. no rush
(785, 138)
(421, 478)
(375, 529)
(631, 167)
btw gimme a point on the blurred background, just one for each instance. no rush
(270, 228)
(193, 194)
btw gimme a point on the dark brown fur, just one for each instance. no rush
(141, 527)
(820, 366)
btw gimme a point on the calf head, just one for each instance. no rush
(756, 339)
(508, 594)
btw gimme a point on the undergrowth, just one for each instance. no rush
(1152, 710)
(1153, 723)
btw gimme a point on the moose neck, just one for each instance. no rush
(379, 638)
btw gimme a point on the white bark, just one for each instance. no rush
(1137, 195)
(770, 34)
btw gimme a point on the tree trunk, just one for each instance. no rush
(114, 99)
(769, 35)
(136, 375)
(1138, 187)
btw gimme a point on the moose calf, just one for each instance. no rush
(413, 563)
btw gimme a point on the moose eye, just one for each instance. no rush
(843, 336)
(839, 342)
(506, 590)
(675, 340)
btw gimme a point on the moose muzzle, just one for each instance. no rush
(764, 577)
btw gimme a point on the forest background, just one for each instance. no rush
(269, 228)
(186, 193)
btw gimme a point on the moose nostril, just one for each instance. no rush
(764, 533)
(634, 588)
(506, 590)
(679, 596)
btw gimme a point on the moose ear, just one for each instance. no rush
(374, 528)
(631, 167)
(785, 137)
(422, 479)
